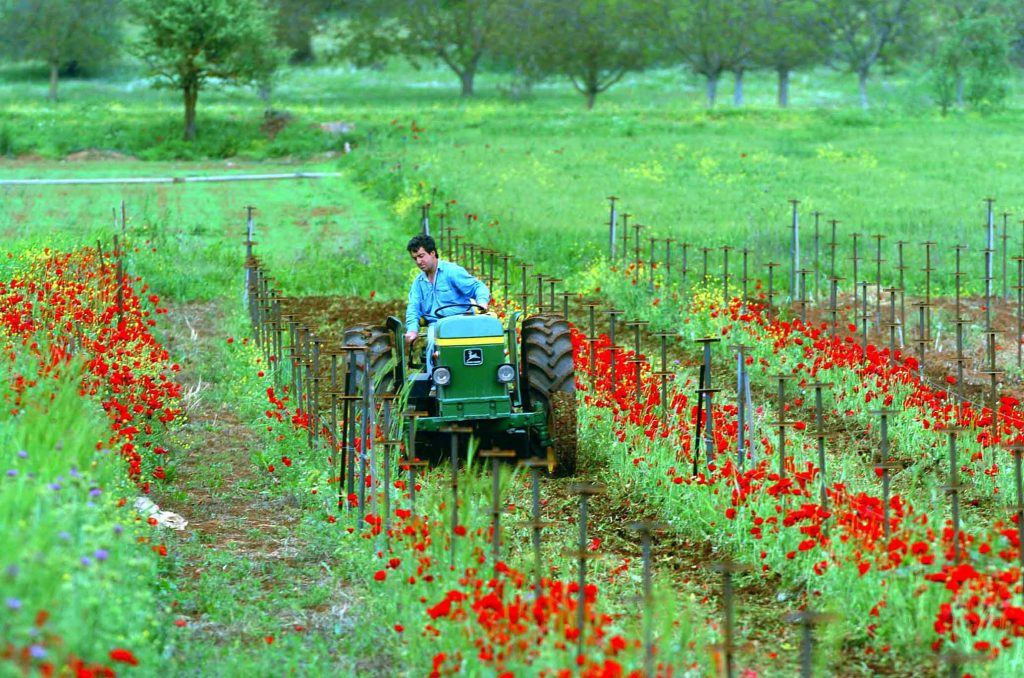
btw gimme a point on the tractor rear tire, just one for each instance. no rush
(550, 374)
(377, 340)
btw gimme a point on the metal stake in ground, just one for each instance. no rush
(771, 266)
(496, 455)
(819, 433)
(536, 524)
(704, 393)
(927, 270)
(1019, 287)
(817, 255)
(612, 314)
(591, 307)
(646, 528)
(834, 304)
(565, 302)
(725, 275)
(636, 247)
(612, 220)
(878, 278)
(954, 487)
(990, 245)
(650, 268)
(794, 250)
(885, 467)
(833, 246)
(540, 292)
(727, 569)
(453, 461)
(864, 317)
(1018, 510)
(1004, 238)
(625, 236)
(664, 375)
(893, 325)
(808, 619)
(782, 423)
(924, 337)
(855, 259)
(584, 491)
(525, 296)
(901, 269)
(742, 388)
(410, 461)
(745, 280)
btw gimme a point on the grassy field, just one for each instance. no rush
(536, 172)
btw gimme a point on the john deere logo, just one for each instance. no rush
(473, 356)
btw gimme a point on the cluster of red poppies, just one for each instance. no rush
(68, 304)
(71, 316)
(852, 530)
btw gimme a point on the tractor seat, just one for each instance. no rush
(468, 327)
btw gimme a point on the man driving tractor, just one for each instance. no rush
(439, 284)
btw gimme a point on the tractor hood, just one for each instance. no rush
(468, 327)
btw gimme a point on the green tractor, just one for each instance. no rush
(517, 395)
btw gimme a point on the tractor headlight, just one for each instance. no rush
(506, 374)
(442, 376)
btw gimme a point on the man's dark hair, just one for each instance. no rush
(424, 241)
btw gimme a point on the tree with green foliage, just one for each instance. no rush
(793, 35)
(592, 42)
(710, 36)
(458, 33)
(59, 32)
(866, 32)
(971, 60)
(188, 44)
(295, 24)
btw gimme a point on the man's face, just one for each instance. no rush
(425, 260)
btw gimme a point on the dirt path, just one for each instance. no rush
(248, 579)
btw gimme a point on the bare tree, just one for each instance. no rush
(710, 36)
(59, 32)
(865, 32)
(458, 33)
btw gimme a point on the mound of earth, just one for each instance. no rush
(90, 154)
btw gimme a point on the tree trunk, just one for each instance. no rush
(862, 84)
(712, 90)
(191, 95)
(466, 78)
(960, 90)
(591, 97)
(783, 87)
(54, 71)
(737, 92)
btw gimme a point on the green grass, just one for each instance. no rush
(537, 172)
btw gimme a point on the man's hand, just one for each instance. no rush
(411, 336)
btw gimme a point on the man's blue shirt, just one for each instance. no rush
(452, 285)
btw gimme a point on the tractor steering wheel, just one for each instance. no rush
(467, 305)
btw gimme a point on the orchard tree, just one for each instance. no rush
(592, 42)
(187, 44)
(59, 32)
(973, 46)
(793, 35)
(295, 24)
(973, 63)
(458, 33)
(866, 32)
(710, 36)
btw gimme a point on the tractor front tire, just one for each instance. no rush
(377, 340)
(550, 374)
